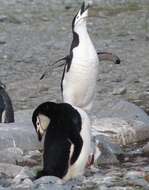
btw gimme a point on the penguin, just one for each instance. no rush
(80, 72)
(6, 108)
(66, 142)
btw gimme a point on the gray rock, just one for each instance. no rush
(21, 135)
(9, 170)
(25, 184)
(52, 183)
(22, 116)
(24, 174)
(125, 110)
(120, 130)
(31, 159)
(110, 152)
(119, 91)
(137, 178)
(4, 188)
(146, 149)
(11, 155)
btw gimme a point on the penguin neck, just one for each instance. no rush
(81, 30)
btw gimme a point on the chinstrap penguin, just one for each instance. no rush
(67, 140)
(6, 108)
(80, 73)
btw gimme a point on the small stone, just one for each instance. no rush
(146, 149)
(120, 91)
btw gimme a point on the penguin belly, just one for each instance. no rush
(78, 168)
(79, 83)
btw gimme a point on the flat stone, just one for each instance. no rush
(10, 170)
(21, 135)
(125, 110)
(121, 131)
(11, 155)
(52, 183)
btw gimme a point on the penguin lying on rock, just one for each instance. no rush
(6, 108)
(67, 139)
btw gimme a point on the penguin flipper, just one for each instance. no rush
(77, 141)
(57, 61)
(106, 56)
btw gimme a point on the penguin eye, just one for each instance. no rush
(38, 124)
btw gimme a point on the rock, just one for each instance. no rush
(52, 183)
(110, 152)
(26, 184)
(48, 179)
(25, 173)
(146, 149)
(9, 170)
(11, 155)
(121, 131)
(125, 110)
(119, 91)
(5, 181)
(3, 188)
(32, 158)
(21, 135)
(136, 178)
(22, 116)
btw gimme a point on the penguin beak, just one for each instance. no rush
(84, 8)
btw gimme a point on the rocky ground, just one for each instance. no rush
(34, 34)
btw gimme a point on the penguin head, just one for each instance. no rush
(80, 17)
(41, 118)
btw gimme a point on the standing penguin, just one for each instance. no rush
(80, 73)
(6, 108)
(67, 139)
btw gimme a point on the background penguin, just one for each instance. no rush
(63, 145)
(81, 69)
(6, 108)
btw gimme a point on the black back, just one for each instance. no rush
(63, 131)
(6, 105)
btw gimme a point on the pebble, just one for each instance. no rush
(146, 149)
(119, 91)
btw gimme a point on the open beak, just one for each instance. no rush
(84, 8)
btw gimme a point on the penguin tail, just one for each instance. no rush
(106, 56)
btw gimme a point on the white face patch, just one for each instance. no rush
(42, 123)
(80, 16)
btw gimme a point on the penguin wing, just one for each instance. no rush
(67, 65)
(107, 56)
(77, 141)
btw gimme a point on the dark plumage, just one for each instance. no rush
(6, 108)
(62, 132)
